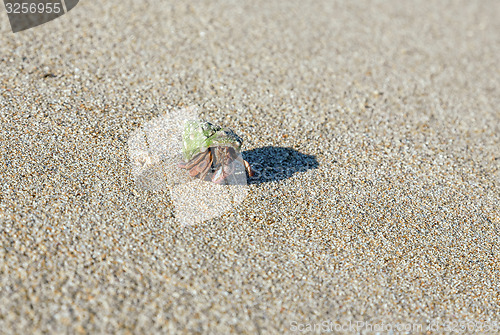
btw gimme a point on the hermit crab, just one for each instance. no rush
(212, 153)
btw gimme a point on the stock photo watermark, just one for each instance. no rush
(200, 164)
(177, 152)
(26, 14)
(461, 327)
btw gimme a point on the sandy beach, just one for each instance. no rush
(375, 128)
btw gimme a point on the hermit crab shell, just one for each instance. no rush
(198, 136)
(157, 148)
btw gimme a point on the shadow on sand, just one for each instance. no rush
(277, 163)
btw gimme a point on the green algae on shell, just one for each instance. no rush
(198, 136)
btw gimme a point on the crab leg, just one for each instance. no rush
(197, 159)
(216, 160)
(245, 163)
(201, 166)
(208, 166)
(248, 168)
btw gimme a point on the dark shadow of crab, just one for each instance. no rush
(277, 163)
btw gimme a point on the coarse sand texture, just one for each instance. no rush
(374, 129)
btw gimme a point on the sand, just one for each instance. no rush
(375, 126)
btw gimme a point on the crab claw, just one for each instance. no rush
(194, 161)
(222, 173)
